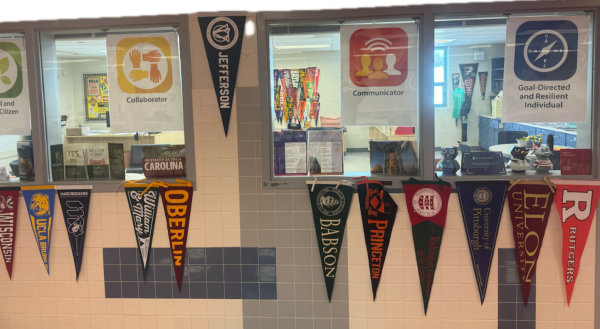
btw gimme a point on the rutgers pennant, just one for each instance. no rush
(9, 202)
(576, 203)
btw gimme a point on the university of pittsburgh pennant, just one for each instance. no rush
(9, 202)
(40, 206)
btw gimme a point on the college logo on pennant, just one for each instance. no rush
(223, 44)
(468, 73)
(330, 202)
(9, 202)
(40, 206)
(427, 203)
(378, 212)
(576, 202)
(75, 204)
(529, 203)
(482, 204)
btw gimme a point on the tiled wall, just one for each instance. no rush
(512, 312)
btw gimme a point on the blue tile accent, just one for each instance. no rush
(129, 272)
(266, 255)
(214, 256)
(233, 290)
(128, 256)
(249, 256)
(250, 273)
(130, 289)
(216, 290)
(268, 291)
(267, 273)
(164, 290)
(512, 312)
(162, 256)
(250, 291)
(232, 273)
(112, 273)
(112, 290)
(111, 256)
(198, 290)
(185, 290)
(163, 272)
(147, 289)
(214, 273)
(197, 255)
(231, 256)
(197, 273)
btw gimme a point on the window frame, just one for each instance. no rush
(444, 84)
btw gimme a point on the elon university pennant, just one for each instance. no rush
(530, 203)
(427, 203)
(378, 212)
(9, 202)
(75, 204)
(223, 38)
(330, 203)
(576, 201)
(40, 206)
(481, 203)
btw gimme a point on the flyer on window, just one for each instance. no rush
(14, 90)
(326, 151)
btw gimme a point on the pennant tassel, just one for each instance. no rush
(9, 203)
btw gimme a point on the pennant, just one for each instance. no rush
(40, 206)
(75, 204)
(9, 203)
(481, 203)
(378, 212)
(482, 83)
(143, 206)
(223, 38)
(330, 202)
(455, 80)
(427, 203)
(469, 75)
(529, 203)
(576, 202)
(177, 201)
(277, 93)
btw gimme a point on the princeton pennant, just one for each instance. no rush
(378, 212)
(330, 202)
(576, 202)
(427, 203)
(40, 206)
(530, 203)
(9, 202)
(481, 203)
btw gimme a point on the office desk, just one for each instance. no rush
(171, 137)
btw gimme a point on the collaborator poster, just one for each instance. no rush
(14, 90)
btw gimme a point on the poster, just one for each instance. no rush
(394, 158)
(40, 208)
(289, 148)
(483, 83)
(297, 97)
(163, 161)
(14, 88)
(9, 204)
(145, 83)
(97, 161)
(379, 74)
(546, 69)
(326, 151)
(95, 96)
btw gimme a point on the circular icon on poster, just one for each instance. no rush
(222, 33)
(8, 71)
(145, 66)
(330, 201)
(427, 202)
(546, 50)
(482, 195)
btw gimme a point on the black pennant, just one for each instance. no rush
(223, 43)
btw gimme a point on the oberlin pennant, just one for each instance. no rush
(481, 203)
(9, 202)
(530, 203)
(223, 38)
(378, 211)
(143, 206)
(427, 203)
(40, 206)
(177, 201)
(576, 201)
(330, 202)
(75, 204)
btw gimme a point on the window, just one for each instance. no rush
(440, 73)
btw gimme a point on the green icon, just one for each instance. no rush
(11, 70)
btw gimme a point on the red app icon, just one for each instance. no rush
(378, 57)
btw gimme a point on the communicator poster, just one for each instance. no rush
(14, 90)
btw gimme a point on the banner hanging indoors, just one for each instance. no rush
(40, 207)
(483, 83)
(14, 88)
(468, 72)
(9, 204)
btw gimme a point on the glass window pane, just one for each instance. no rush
(438, 95)
(439, 69)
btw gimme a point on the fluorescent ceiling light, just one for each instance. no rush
(444, 40)
(481, 46)
(288, 59)
(302, 46)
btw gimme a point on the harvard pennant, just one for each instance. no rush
(9, 202)
(40, 206)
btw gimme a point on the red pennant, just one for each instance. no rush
(576, 203)
(9, 201)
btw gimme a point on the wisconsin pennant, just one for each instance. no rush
(40, 206)
(9, 202)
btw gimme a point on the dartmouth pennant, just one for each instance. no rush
(143, 203)
(223, 38)
(576, 202)
(481, 203)
(177, 202)
(9, 202)
(330, 202)
(427, 203)
(40, 206)
(378, 212)
(530, 203)
(75, 204)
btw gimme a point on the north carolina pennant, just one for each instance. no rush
(330, 202)
(75, 204)
(177, 201)
(576, 202)
(427, 203)
(40, 206)
(9, 202)
(378, 212)
(530, 203)
(481, 203)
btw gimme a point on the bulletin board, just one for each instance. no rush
(95, 96)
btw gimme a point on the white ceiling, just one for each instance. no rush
(81, 48)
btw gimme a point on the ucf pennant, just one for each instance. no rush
(40, 207)
(330, 203)
(9, 202)
(378, 212)
(530, 203)
(576, 202)
(481, 203)
(427, 203)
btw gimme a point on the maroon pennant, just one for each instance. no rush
(9, 201)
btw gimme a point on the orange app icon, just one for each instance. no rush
(144, 65)
(378, 57)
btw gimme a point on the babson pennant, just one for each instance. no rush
(427, 203)
(576, 202)
(75, 204)
(177, 201)
(9, 202)
(378, 212)
(223, 38)
(330, 202)
(40, 206)
(530, 203)
(481, 203)
(143, 203)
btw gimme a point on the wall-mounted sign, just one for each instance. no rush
(14, 90)
(95, 96)
(163, 161)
